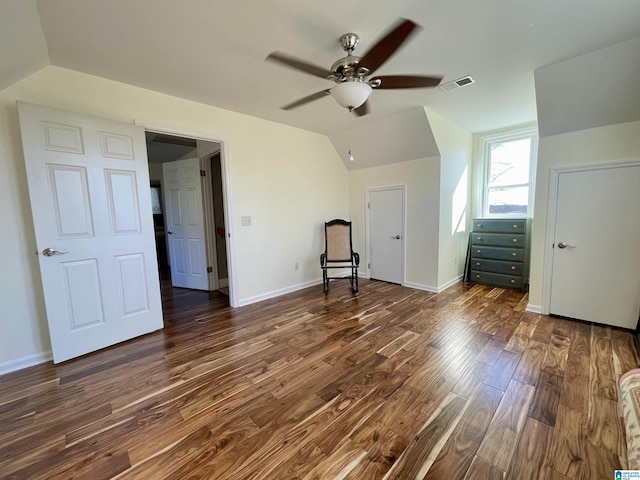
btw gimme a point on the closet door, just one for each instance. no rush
(596, 248)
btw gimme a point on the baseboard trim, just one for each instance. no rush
(25, 362)
(533, 308)
(276, 293)
(429, 288)
(419, 286)
(450, 283)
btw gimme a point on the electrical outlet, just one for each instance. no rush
(246, 221)
(296, 266)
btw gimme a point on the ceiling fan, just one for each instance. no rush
(350, 73)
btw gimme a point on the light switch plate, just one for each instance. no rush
(246, 221)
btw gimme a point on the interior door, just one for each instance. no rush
(596, 254)
(386, 230)
(184, 221)
(89, 188)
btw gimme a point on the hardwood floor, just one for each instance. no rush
(392, 383)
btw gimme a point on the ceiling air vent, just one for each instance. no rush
(461, 82)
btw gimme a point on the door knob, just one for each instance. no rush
(170, 232)
(50, 252)
(397, 237)
(565, 245)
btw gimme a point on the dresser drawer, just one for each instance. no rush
(497, 266)
(500, 225)
(497, 279)
(498, 239)
(497, 253)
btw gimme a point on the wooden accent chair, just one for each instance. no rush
(338, 253)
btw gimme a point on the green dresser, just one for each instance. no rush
(499, 252)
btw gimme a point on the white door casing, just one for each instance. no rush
(386, 233)
(226, 191)
(596, 276)
(90, 199)
(184, 221)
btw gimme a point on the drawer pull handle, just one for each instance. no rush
(515, 226)
(479, 238)
(513, 267)
(515, 240)
(477, 264)
(477, 276)
(513, 281)
(479, 225)
(514, 254)
(477, 251)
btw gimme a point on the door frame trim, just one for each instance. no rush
(552, 205)
(226, 189)
(209, 228)
(403, 244)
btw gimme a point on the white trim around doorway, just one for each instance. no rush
(226, 189)
(403, 188)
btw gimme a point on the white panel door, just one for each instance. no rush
(184, 219)
(89, 188)
(386, 232)
(596, 254)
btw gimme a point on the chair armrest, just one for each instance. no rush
(323, 259)
(356, 258)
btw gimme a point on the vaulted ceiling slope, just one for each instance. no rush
(396, 138)
(213, 51)
(23, 49)
(592, 90)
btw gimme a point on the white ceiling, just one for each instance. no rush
(213, 51)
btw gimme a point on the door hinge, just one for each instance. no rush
(203, 173)
(209, 269)
(369, 205)
(368, 265)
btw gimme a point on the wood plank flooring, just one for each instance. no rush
(390, 383)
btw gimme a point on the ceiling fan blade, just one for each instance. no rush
(298, 64)
(307, 99)
(381, 51)
(405, 81)
(362, 109)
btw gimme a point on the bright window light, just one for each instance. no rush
(509, 170)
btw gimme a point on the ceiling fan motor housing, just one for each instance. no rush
(346, 69)
(349, 42)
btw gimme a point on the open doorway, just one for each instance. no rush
(166, 151)
(216, 231)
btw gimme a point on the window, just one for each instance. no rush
(508, 172)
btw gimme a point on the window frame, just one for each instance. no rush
(485, 169)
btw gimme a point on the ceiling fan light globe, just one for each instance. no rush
(351, 94)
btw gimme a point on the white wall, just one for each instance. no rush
(613, 143)
(456, 151)
(288, 180)
(422, 178)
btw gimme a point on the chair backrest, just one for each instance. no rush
(337, 236)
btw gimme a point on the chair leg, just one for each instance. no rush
(325, 280)
(354, 280)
